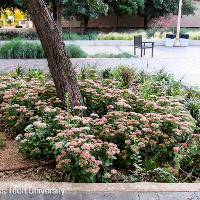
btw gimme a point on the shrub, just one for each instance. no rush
(192, 102)
(21, 49)
(121, 35)
(18, 72)
(163, 175)
(75, 51)
(67, 35)
(125, 75)
(32, 35)
(34, 143)
(24, 49)
(188, 159)
(9, 35)
(2, 143)
(193, 105)
(86, 159)
(120, 55)
(35, 74)
(79, 36)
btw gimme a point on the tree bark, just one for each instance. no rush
(84, 24)
(60, 66)
(179, 19)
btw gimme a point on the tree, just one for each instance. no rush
(156, 8)
(83, 10)
(121, 7)
(12, 4)
(57, 6)
(59, 63)
(56, 9)
(177, 42)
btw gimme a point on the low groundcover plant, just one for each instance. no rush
(124, 133)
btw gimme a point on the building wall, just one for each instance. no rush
(127, 21)
(17, 16)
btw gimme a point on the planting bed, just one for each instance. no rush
(134, 126)
(16, 167)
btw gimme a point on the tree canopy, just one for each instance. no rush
(86, 9)
(12, 4)
(119, 7)
(156, 8)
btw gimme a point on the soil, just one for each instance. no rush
(44, 173)
(13, 166)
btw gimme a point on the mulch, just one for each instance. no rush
(12, 162)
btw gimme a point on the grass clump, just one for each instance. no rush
(32, 35)
(74, 51)
(154, 32)
(111, 55)
(22, 49)
(16, 49)
(2, 142)
(79, 36)
(120, 36)
(9, 35)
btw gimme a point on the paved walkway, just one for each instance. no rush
(104, 196)
(183, 62)
(125, 191)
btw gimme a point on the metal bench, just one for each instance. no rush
(138, 44)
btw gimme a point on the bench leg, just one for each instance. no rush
(141, 52)
(152, 49)
(134, 51)
(144, 51)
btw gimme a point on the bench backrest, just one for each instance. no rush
(138, 41)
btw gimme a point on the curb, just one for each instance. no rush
(108, 187)
(110, 42)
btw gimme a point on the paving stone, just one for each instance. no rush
(197, 195)
(53, 197)
(148, 196)
(101, 196)
(106, 196)
(177, 196)
(21, 197)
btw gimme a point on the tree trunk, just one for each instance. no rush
(57, 13)
(145, 14)
(179, 19)
(117, 22)
(145, 21)
(84, 24)
(60, 66)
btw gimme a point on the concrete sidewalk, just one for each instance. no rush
(186, 69)
(183, 62)
(117, 191)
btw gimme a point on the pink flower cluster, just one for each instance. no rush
(85, 149)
